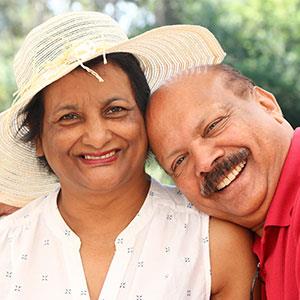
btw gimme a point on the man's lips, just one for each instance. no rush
(225, 172)
(99, 157)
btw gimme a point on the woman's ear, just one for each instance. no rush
(39, 148)
(268, 103)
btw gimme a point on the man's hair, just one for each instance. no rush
(241, 85)
(34, 111)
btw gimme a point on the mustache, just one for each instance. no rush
(220, 170)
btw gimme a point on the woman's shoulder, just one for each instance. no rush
(169, 198)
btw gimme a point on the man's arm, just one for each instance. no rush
(6, 209)
(232, 261)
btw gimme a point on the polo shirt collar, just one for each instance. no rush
(283, 200)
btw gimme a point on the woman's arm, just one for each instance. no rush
(232, 261)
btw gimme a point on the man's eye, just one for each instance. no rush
(213, 125)
(68, 117)
(177, 163)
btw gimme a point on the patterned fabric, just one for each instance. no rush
(162, 254)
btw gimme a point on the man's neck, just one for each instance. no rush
(258, 229)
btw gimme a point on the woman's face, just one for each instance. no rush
(93, 133)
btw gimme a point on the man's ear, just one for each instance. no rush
(268, 103)
(39, 148)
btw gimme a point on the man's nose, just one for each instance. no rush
(96, 133)
(205, 155)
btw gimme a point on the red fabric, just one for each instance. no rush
(279, 247)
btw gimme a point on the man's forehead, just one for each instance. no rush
(192, 90)
(187, 109)
(189, 83)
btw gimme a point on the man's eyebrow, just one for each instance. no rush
(225, 107)
(198, 128)
(172, 153)
(195, 132)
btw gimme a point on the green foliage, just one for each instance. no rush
(154, 169)
(263, 42)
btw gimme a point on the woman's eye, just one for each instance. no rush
(68, 117)
(115, 110)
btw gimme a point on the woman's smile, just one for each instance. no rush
(100, 158)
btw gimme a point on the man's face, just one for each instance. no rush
(224, 152)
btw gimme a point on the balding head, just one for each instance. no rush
(231, 78)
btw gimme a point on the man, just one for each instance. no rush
(228, 148)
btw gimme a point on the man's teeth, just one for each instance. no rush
(92, 157)
(231, 176)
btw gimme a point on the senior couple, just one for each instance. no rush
(74, 145)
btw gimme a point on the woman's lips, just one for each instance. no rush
(100, 158)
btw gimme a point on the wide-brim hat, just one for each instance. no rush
(61, 44)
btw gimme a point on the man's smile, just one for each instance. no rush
(225, 172)
(231, 176)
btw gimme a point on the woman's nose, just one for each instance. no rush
(96, 133)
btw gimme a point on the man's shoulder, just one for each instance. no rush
(22, 216)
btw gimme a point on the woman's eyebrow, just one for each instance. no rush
(66, 107)
(112, 99)
(75, 107)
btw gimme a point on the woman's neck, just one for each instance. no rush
(90, 213)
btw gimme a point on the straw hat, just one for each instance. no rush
(61, 44)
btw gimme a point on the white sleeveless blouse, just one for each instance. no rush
(163, 254)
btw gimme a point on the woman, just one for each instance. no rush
(107, 231)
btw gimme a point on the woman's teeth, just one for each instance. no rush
(107, 155)
(231, 176)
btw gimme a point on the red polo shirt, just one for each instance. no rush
(278, 249)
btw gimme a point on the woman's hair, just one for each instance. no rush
(33, 112)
